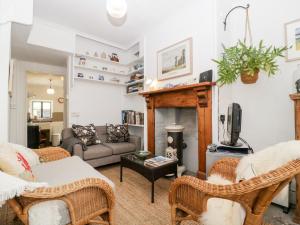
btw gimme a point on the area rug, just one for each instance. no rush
(134, 205)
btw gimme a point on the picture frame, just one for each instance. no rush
(292, 38)
(175, 60)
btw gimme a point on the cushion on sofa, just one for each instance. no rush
(65, 171)
(86, 134)
(121, 148)
(97, 151)
(117, 133)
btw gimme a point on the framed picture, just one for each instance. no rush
(292, 32)
(175, 60)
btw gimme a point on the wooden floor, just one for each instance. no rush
(134, 205)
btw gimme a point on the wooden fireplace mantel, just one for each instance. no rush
(197, 96)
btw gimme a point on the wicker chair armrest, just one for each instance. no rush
(65, 190)
(226, 168)
(52, 154)
(235, 190)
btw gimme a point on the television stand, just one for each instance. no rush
(227, 143)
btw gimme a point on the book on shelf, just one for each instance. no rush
(135, 88)
(132, 117)
(157, 161)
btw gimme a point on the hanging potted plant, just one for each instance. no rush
(247, 61)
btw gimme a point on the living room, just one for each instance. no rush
(157, 97)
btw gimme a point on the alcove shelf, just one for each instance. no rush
(100, 81)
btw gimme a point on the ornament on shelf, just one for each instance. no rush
(100, 77)
(82, 60)
(103, 55)
(80, 75)
(114, 57)
(104, 68)
(96, 54)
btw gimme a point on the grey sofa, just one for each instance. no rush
(105, 153)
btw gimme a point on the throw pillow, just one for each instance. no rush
(15, 163)
(86, 134)
(32, 158)
(117, 133)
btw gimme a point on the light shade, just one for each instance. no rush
(50, 91)
(116, 8)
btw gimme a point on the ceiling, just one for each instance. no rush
(43, 79)
(23, 51)
(90, 17)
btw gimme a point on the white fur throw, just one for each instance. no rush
(271, 158)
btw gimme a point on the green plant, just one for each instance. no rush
(241, 58)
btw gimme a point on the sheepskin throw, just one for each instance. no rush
(261, 162)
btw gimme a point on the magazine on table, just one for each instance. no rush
(158, 161)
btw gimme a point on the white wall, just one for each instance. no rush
(18, 107)
(268, 116)
(5, 43)
(196, 20)
(52, 36)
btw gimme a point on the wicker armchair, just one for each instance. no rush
(188, 195)
(87, 199)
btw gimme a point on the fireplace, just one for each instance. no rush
(196, 96)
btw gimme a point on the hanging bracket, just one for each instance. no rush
(231, 10)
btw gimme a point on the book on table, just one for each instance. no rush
(157, 161)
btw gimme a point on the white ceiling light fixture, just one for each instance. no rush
(50, 90)
(116, 8)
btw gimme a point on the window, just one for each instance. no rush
(42, 109)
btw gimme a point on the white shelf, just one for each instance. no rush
(99, 70)
(135, 82)
(135, 125)
(100, 81)
(133, 94)
(78, 55)
(136, 71)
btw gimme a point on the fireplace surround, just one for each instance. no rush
(197, 96)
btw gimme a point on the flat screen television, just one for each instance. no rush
(234, 122)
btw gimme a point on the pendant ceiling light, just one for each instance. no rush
(116, 8)
(50, 90)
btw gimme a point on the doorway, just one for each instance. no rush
(45, 109)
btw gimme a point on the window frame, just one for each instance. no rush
(42, 110)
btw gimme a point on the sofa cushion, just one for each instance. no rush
(86, 134)
(117, 133)
(97, 151)
(121, 148)
(66, 171)
(101, 131)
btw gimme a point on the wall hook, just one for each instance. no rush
(231, 10)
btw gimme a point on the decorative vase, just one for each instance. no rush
(249, 79)
(296, 80)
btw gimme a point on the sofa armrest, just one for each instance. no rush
(78, 151)
(134, 139)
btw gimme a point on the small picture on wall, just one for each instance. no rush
(175, 60)
(292, 30)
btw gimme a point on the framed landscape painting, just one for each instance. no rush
(175, 60)
(292, 30)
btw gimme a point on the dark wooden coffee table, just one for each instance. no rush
(152, 174)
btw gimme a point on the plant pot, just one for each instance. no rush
(249, 79)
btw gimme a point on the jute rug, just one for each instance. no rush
(134, 205)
